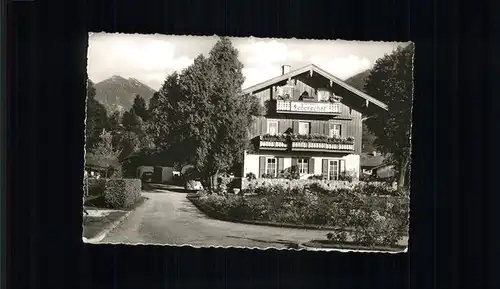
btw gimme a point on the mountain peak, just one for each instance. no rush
(116, 77)
(117, 92)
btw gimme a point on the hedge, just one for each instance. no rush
(122, 193)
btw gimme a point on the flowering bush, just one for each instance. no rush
(318, 138)
(374, 220)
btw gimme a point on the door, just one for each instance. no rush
(304, 127)
(333, 170)
(272, 127)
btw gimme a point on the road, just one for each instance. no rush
(167, 217)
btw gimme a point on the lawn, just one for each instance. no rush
(93, 226)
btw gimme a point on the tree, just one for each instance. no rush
(391, 81)
(200, 116)
(368, 140)
(163, 115)
(131, 121)
(97, 119)
(153, 102)
(104, 154)
(233, 116)
(139, 107)
(114, 121)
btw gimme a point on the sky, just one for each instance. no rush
(151, 57)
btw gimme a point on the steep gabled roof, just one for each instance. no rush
(316, 69)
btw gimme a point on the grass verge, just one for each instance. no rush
(93, 226)
(326, 244)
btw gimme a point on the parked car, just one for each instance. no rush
(193, 186)
(147, 177)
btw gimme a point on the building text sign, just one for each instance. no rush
(314, 107)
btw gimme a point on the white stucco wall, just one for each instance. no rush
(287, 163)
(251, 164)
(352, 164)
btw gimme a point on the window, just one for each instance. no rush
(323, 95)
(335, 130)
(271, 166)
(303, 166)
(272, 127)
(303, 127)
(333, 170)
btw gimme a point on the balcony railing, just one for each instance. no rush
(280, 145)
(301, 145)
(307, 107)
(305, 143)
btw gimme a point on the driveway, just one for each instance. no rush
(169, 218)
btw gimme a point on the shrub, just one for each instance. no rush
(96, 187)
(339, 237)
(251, 176)
(316, 177)
(122, 193)
(376, 189)
(291, 173)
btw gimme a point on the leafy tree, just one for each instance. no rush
(200, 116)
(368, 140)
(104, 154)
(391, 81)
(139, 107)
(233, 112)
(114, 121)
(163, 114)
(97, 119)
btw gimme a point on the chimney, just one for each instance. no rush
(285, 69)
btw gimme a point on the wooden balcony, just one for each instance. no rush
(319, 146)
(272, 143)
(307, 107)
(304, 143)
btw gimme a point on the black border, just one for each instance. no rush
(44, 139)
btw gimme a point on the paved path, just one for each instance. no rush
(169, 218)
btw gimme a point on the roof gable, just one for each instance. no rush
(311, 68)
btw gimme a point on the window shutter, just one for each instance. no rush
(262, 166)
(340, 130)
(294, 162)
(263, 125)
(281, 126)
(295, 127)
(311, 166)
(324, 169)
(280, 165)
(326, 128)
(342, 166)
